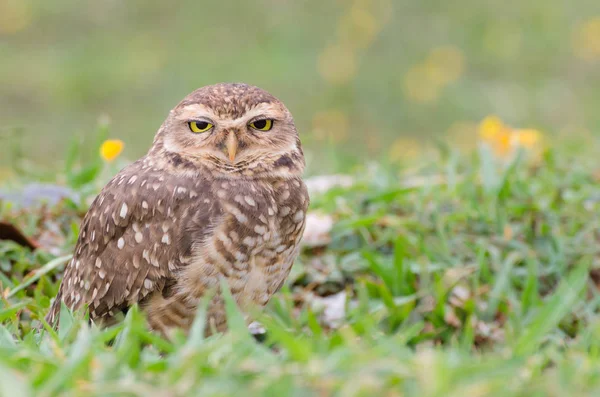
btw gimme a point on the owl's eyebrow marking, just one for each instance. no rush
(201, 118)
(263, 116)
(263, 110)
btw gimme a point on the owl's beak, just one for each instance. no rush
(232, 146)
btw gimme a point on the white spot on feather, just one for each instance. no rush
(121, 243)
(260, 229)
(123, 212)
(136, 261)
(249, 241)
(237, 213)
(299, 216)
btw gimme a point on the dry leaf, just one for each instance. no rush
(8, 231)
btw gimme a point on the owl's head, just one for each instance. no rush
(232, 129)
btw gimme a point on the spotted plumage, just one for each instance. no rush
(227, 204)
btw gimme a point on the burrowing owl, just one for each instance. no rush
(219, 196)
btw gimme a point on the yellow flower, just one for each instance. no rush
(491, 127)
(110, 149)
(528, 138)
(504, 139)
(503, 144)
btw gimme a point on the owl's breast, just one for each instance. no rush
(256, 241)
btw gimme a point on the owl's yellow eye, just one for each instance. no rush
(199, 126)
(262, 125)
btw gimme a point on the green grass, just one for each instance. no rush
(464, 276)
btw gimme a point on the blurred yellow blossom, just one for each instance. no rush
(461, 134)
(372, 141)
(357, 28)
(586, 39)
(111, 148)
(425, 81)
(449, 62)
(491, 127)
(331, 125)
(405, 148)
(337, 64)
(503, 139)
(15, 16)
(419, 87)
(6, 173)
(528, 138)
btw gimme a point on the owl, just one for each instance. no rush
(217, 200)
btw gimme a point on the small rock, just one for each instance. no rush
(334, 308)
(318, 229)
(323, 183)
(37, 193)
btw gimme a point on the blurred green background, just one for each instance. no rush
(365, 79)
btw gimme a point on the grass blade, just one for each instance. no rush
(558, 306)
(47, 268)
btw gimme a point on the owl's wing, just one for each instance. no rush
(137, 232)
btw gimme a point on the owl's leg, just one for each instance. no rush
(166, 315)
(216, 317)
